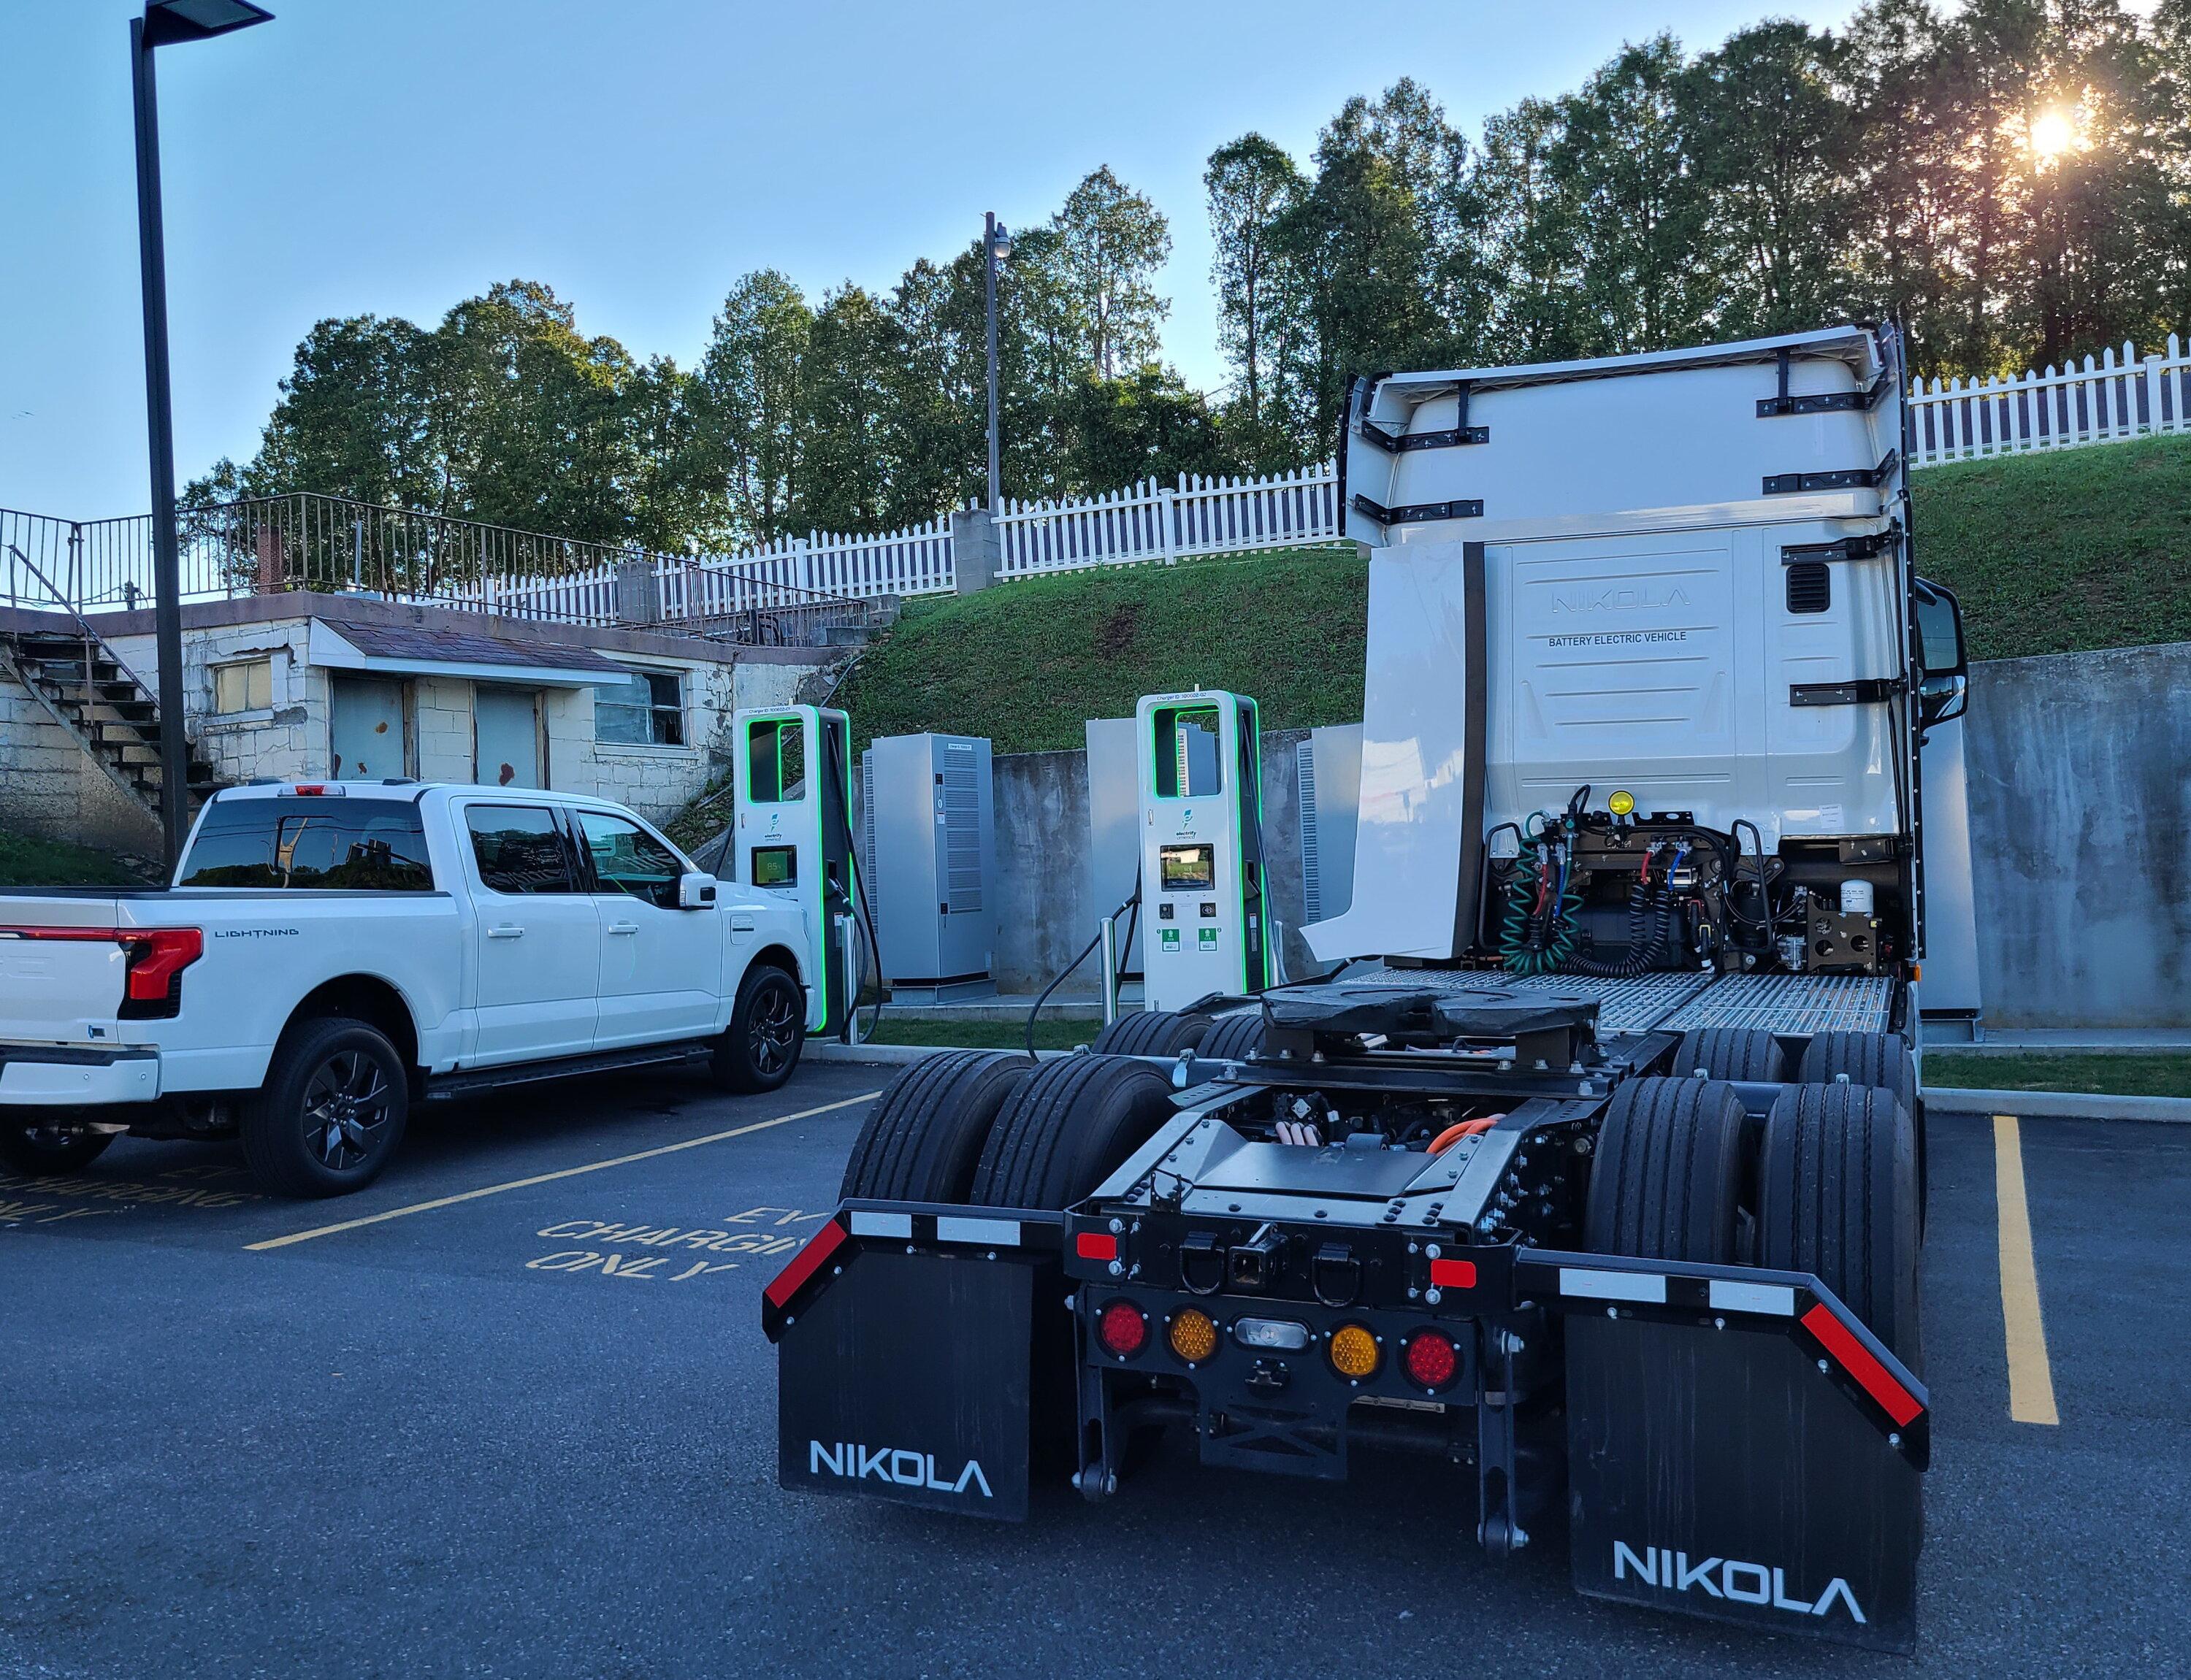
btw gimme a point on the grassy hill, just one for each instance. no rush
(2050, 554)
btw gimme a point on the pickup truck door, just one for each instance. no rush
(538, 937)
(662, 968)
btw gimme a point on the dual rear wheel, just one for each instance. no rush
(1829, 1185)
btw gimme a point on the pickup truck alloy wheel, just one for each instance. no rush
(331, 1111)
(346, 1104)
(768, 1023)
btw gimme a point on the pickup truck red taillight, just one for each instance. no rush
(157, 958)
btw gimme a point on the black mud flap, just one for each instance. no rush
(903, 1366)
(1760, 1464)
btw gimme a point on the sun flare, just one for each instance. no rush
(2052, 133)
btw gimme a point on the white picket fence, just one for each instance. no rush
(2110, 401)
(1148, 521)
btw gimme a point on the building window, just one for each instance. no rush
(245, 685)
(647, 709)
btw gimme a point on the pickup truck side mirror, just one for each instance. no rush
(1942, 666)
(696, 892)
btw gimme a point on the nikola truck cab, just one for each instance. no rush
(1593, 1170)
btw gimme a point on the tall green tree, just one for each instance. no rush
(1251, 184)
(1770, 124)
(748, 405)
(1112, 240)
(1625, 163)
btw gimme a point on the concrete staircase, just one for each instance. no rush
(89, 692)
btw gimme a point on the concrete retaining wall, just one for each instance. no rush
(2080, 829)
(2079, 768)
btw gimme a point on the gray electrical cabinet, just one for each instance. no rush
(930, 845)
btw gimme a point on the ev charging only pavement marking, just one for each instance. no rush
(550, 1178)
(2030, 1376)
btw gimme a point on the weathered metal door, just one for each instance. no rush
(507, 730)
(366, 728)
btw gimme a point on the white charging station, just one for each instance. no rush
(792, 836)
(1204, 925)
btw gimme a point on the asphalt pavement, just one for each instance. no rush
(509, 1412)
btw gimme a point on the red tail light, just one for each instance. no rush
(158, 955)
(1122, 1329)
(1431, 1358)
(156, 958)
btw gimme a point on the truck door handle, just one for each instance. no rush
(623, 926)
(506, 931)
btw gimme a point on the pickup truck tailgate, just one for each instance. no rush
(63, 972)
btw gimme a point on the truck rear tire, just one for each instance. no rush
(1152, 1032)
(1879, 1059)
(1067, 1127)
(41, 1141)
(1667, 1184)
(1837, 1198)
(760, 1048)
(923, 1138)
(1748, 1053)
(331, 1111)
(1232, 1038)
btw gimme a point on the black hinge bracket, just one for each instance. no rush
(1823, 402)
(1458, 435)
(1418, 513)
(1852, 477)
(1864, 691)
(1849, 549)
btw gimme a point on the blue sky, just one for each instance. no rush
(393, 155)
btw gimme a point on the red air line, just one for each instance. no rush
(804, 1264)
(1873, 1377)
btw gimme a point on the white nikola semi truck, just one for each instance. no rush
(1593, 1171)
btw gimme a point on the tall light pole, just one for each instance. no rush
(996, 245)
(165, 23)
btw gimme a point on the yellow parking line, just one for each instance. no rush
(2030, 1377)
(550, 1178)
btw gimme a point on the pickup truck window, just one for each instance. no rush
(627, 859)
(340, 845)
(520, 848)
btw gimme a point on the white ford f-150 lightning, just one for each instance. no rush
(331, 952)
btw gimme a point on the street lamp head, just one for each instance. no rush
(1000, 243)
(168, 21)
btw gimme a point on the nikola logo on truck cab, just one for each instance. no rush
(1617, 597)
(901, 1466)
(1727, 1578)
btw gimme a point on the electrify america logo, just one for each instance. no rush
(1725, 1578)
(900, 1465)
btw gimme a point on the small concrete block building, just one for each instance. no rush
(298, 685)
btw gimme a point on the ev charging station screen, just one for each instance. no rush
(776, 865)
(1186, 762)
(1186, 869)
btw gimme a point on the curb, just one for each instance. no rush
(2057, 1104)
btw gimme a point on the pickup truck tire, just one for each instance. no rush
(1667, 1184)
(1837, 1198)
(331, 1111)
(760, 1046)
(924, 1135)
(1066, 1127)
(1152, 1032)
(43, 1142)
